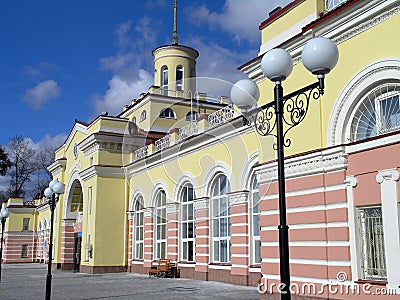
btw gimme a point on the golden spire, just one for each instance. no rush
(175, 34)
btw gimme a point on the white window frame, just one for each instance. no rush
(160, 225)
(164, 80)
(167, 113)
(220, 214)
(138, 229)
(179, 82)
(143, 116)
(187, 219)
(255, 213)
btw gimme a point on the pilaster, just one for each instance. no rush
(390, 216)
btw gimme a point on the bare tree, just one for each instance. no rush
(42, 176)
(5, 163)
(23, 165)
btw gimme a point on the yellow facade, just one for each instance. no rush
(113, 161)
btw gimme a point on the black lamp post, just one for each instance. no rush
(319, 56)
(55, 187)
(4, 213)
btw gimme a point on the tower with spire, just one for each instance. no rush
(175, 66)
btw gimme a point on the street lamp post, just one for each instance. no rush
(319, 56)
(4, 213)
(55, 187)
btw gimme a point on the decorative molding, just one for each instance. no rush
(329, 160)
(368, 24)
(130, 215)
(247, 169)
(391, 174)
(351, 181)
(67, 222)
(148, 212)
(238, 198)
(102, 171)
(172, 208)
(201, 204)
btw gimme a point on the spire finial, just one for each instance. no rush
(175, 34)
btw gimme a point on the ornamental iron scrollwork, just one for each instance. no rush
(295, 108)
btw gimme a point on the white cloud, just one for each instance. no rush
(128, 66)
(240, 18)
(52, 141)
(42, 93)
(121, 91)
(216, 67)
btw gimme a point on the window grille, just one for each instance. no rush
(24, 250)
(378, 113)
(371, 243)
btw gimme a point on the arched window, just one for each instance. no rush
(160, 225)
(179, 78)
(139, 229)
(187, 223)
(220, 213)
(143, 116)
(164, 80)
(167, 113)
(134, 120)
(378, 113)
(255, 244)
(192, 116)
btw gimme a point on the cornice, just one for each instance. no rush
(328, 160)
(353, 21)
(102, 171)
(57, 167)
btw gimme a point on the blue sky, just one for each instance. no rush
(65, 60)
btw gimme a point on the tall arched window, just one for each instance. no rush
(143, 116)
(164, 80)
(255, 244)
(179, 78)
(139, 229)
(378, 113)
(187, 223)
(167, 113)
(160, 225)
(220, 213)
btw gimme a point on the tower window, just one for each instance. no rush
(164, 80)
(179, 78)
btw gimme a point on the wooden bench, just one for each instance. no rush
(163, 268)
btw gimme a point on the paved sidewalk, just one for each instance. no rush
(27, 281)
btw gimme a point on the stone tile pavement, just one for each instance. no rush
(27, 281)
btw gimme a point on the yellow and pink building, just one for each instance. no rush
(177, 175)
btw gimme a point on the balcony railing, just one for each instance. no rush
(141, 152)
(188, 130)
(221, 116)
(163, 142)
